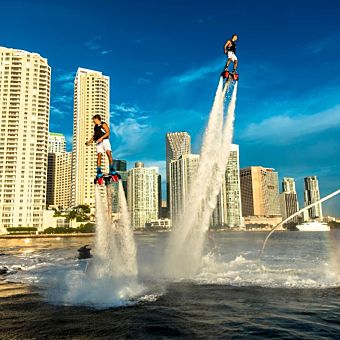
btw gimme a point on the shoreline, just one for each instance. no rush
(46, 235)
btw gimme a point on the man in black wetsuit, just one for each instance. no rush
(101, 138)
(230, 50)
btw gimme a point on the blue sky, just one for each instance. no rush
(164, 59)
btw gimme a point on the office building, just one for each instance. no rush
(259, 192)
(311, 195)
(177, 144)
(56, 142)
(181, 175)
(228, 212)
(288, 200)
(59, 180)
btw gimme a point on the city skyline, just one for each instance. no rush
(161, 84)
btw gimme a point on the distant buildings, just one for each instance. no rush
(182, 172)
(91, 96)
(24, 118)
(59, 169)
(288, 199)
(228, 211)
(259, 192)
(311, 195)
(56, 142)
(177, 144)
(121, 167)
(143, 194)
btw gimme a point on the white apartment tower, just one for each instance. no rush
(24, 121)
(182, 174)
(177, 144)
(143, 194)
(56, 142)
(311, 195)
(91, 97)
(228, 210)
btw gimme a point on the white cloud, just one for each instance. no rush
(142, 81)
(282, 129)
(105, 52)
(56, 111)
(188, 77)
(131, 137)
(68, 76)
(62, 99)
(125, 107)
(93, 44)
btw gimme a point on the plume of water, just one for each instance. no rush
(111, 277)
(184, 252)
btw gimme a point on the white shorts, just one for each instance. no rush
(103, 146)
(232, 56)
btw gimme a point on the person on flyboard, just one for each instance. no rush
(101, 134)
(230, 51)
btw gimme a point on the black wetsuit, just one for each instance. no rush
(232, 47)
(99, 131)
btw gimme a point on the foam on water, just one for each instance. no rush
(110, 278)
(279, 273)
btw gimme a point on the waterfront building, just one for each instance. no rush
(177, 144)
(143, 194)
(311, 195)
(259, 192)
(288, 199)
(56, 142)
(59, 179)
(25, 79)
(182, 173)
(91, 97)
(228, 210)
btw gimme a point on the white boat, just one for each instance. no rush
(313, 226)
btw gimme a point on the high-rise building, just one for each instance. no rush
(228, 210)
(143, 194)
(59, 179)
(288, 199)
(311, 195)
(56, 142)
(91, 97)
(177, 144)
(259, 192)
(182, 174)
(24, 122)
(121, 167)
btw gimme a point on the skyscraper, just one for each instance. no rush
(24, 119)
(91, 96)
(59, 179)
(143, 194)
(311, 195)
(182, 173)
(228, 210)
(259, 192)
(177, 144)
(56, 142)
(288, 199)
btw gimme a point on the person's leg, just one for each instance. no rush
(99, 160)
(227, 64)
(109, 156)
(235, 65)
